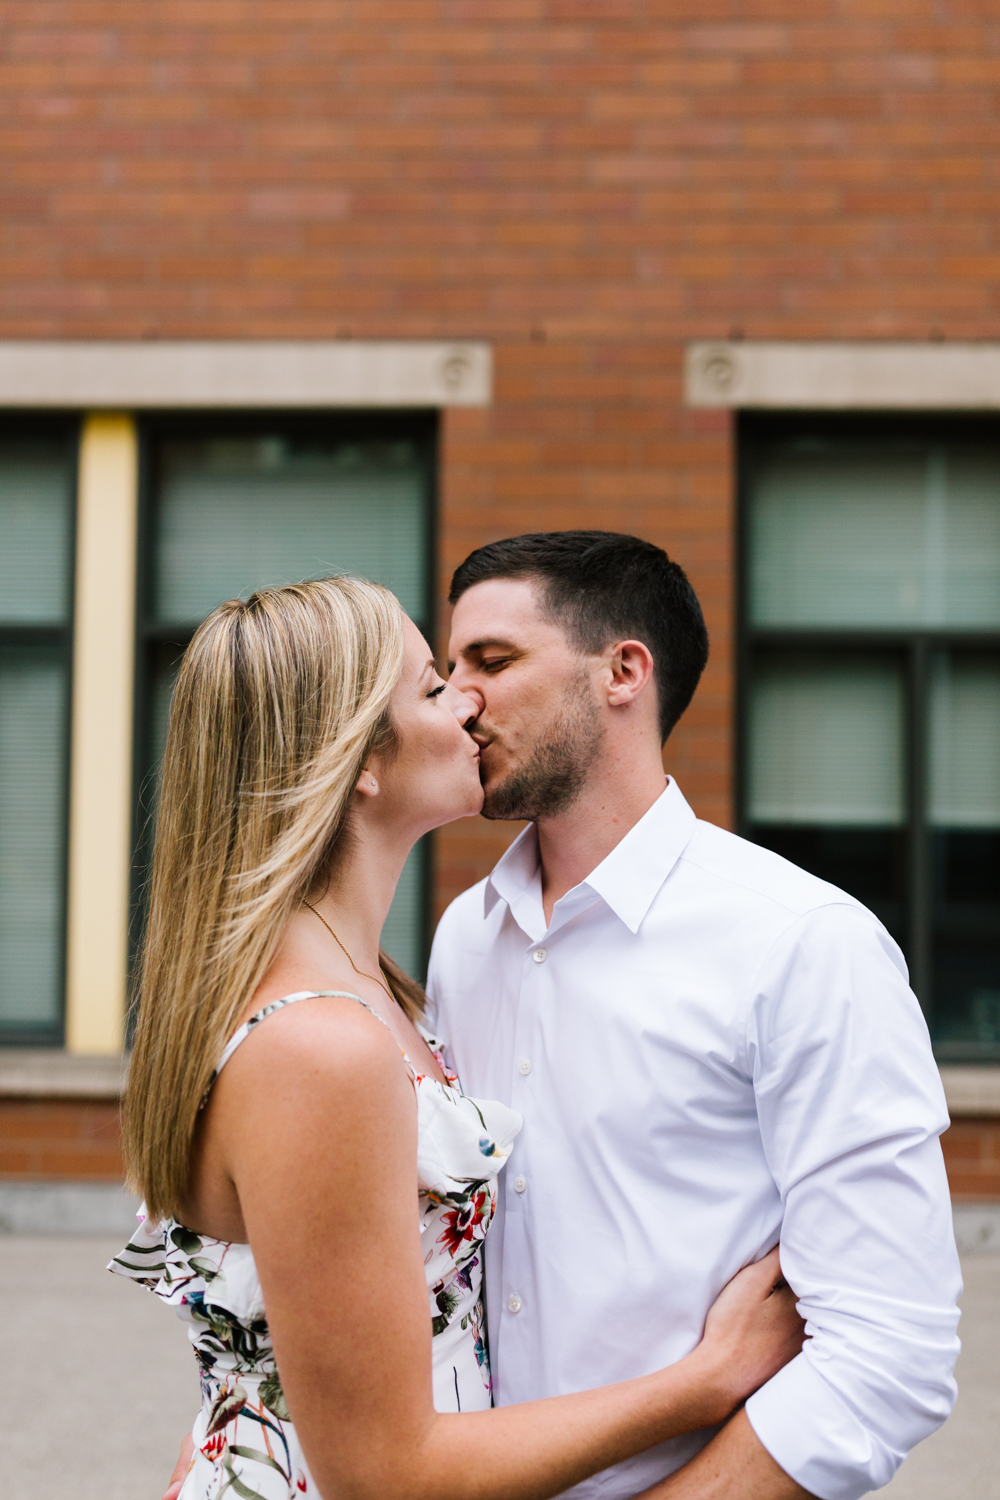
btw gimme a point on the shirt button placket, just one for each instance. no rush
(527, 1031)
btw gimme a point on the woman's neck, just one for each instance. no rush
(356, 901)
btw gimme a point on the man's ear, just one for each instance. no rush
(631, 666)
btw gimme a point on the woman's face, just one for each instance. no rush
(434, 777)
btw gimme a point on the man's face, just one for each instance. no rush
(540, 728)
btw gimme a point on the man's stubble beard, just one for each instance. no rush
(557, 769)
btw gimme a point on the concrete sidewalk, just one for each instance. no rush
(102, 1383)
(962, 1460)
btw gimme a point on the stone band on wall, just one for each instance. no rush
(868, 376)
(96, 374)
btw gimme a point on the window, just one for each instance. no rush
(230, 505)
(870, 686)
(37, 486)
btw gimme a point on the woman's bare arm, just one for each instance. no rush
(315, 1116)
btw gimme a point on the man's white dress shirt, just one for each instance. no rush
(710, 1048)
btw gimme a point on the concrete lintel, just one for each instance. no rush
(772, 374)
(102, 374)
(41, 1073)
(971, 1091)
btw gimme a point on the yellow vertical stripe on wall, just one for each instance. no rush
(101, 754)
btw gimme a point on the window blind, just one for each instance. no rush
(964, 741)
(892, 536)
(825, 737)
(237, 515)
(35, 528)
(36, 519)
(32, 801)
(232, 514)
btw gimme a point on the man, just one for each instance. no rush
(710, 1048)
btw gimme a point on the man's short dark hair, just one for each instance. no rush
(603, 586)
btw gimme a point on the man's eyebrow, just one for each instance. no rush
(488, 641)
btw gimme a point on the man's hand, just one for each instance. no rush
(735, 1465)
(181, 1468)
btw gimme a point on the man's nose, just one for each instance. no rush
(466, 704)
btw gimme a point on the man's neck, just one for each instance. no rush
(572, 844)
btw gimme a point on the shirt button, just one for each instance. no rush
(514, 1303)
(540, 955)
(524, 1066)
(520, 1183)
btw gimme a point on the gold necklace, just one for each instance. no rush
(350, 960)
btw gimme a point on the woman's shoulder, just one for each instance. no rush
(330, 1046)
(316, 1095)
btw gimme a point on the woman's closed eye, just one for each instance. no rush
(436, 692)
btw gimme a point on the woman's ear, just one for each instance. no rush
(367, 785)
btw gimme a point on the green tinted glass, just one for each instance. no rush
(237, 514)
(826, 740)
(964, 783)
(32, 834)
(36, 518)
(894, 535)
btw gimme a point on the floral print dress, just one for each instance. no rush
(245, 1440)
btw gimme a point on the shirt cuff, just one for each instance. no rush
(815, 1437)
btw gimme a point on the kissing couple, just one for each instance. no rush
(518, 1237)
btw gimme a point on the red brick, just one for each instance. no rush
(972, 1156)
(41, 1138)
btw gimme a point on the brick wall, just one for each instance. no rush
(73, 1139)
(588, 183)
(60, 1139)
(972, 1156)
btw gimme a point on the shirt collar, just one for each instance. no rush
(626, 880)
(515, 878)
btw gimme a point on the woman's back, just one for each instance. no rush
(244, 1430)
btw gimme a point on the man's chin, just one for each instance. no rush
(498, 806)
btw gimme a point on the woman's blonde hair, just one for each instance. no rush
(279, 703)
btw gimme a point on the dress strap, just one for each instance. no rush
(241, 1034)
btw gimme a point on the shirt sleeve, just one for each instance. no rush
(851, 1106)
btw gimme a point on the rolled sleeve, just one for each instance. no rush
(850, 1107)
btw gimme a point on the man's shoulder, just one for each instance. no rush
(749, 871)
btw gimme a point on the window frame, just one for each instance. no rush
(420, 425)
(68, 426)
(755, 429)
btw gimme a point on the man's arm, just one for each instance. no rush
(850, 1106)
(735, 1465)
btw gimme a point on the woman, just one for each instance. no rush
(285, 1110)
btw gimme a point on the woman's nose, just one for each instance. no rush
(465, 705)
